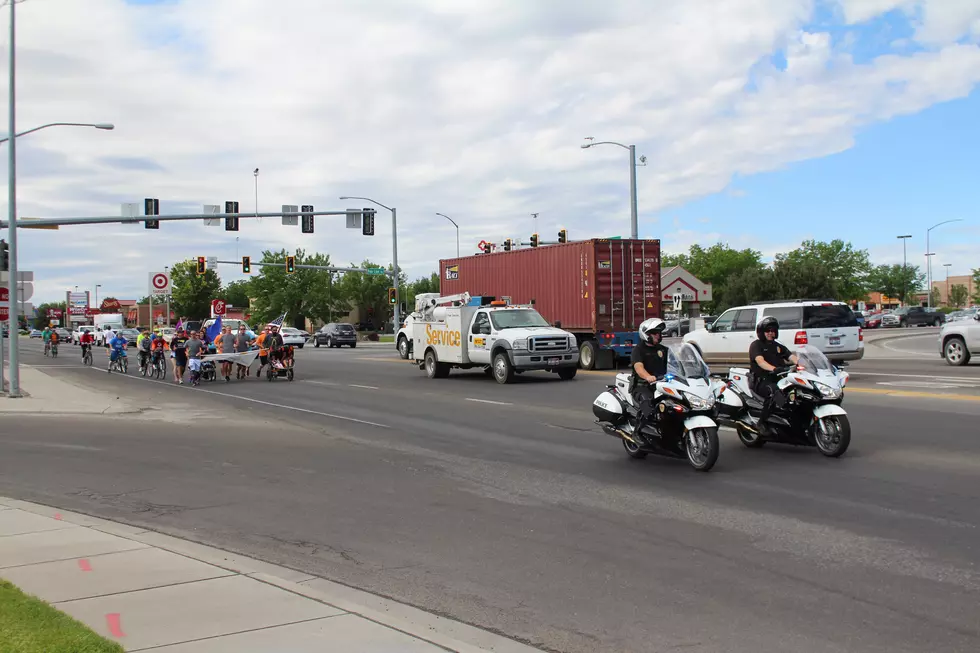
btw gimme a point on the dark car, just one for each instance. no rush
(336, 334)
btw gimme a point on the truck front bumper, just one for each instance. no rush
(524, 360)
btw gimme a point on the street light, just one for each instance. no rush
(929, 260)
(457, 230)
(97, 286)
(905, 272)
(394, 251)
(946, 265)
(643, 160)
(108, 126)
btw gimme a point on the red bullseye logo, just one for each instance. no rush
(160, 282)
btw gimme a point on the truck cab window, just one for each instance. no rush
(481, 324)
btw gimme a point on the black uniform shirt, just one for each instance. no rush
(772, 352)
(653, 357)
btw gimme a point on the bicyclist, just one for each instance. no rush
(54, 342)
(46, 337)
(86, 340)
(117, 350)
(143, 343)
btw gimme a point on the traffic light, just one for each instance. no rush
(534, 240)
(307, 219)
(246, 265)
(487, 247)
(4, 256)
(290, 264)
(231, 224)
(507, 245)
(151, 207)
(562, 236)
(202, 265)
(367, 222)
(392, 296)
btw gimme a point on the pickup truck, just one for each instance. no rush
(910, 316)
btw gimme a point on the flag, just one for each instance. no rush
(212, 331)
(278, 321)
(179, 325)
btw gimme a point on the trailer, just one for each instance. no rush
(600, 290)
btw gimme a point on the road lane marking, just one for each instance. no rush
(487, 401)
(887, 345)
(329, 383)
(366, 387)
(907, 393)
(255, 401)
(857, 373)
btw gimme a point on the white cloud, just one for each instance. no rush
(472, 108)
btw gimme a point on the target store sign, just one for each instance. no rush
(159, 283)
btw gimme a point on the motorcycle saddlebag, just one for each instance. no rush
(607, 407)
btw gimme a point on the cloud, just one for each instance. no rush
(474, 108)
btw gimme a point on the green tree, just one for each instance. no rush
(717, 265)
(157, 300)
(369, 292)
(976, 286)
(237, 293)
(849, 269)
(420, 286)
(303, 294)
(958, 295)
(193, 292)
(897, 280)
(782, 280)
(936, 296)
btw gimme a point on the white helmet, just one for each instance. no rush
(649, 327)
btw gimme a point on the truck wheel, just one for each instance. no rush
(955, 352)
(587, 355)
(403, 348)
(567, 373)
(502, 370)
(433, 368)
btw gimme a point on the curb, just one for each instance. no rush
(445, 632)
(898, 336)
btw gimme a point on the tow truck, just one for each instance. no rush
(465, 332)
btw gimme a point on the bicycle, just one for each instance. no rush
(144, 363)
(47, 348)
(54, 350)
(87, 356)
(158, 368)
(121, 364)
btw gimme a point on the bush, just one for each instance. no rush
(373, 337)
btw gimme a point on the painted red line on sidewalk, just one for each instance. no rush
(84, 564)
(112, 620)
(57, 516)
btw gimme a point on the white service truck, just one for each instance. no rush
(403, 339)
(454, 331)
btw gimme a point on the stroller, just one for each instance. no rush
(280, 364)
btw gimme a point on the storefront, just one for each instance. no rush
(682, 292)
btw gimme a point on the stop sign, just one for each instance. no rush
(4, 313)
(4, 294)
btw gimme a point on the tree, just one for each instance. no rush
(717, 265)
(958, 295)
(897, 281)
(368, 291)
(976, 286)
(419, 286)
(41, 318)
(192, 292)
(237, 293)
(784, 279)
(936, 296)
(157, 300)
(304, 294)
(849, 269)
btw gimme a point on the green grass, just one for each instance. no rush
(386, 338)
(29, 625)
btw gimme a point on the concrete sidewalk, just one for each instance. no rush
(149, 590)
(46, 395)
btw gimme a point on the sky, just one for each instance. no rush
(763, 123)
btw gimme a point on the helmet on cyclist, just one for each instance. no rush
(650, 327)
(767, 324)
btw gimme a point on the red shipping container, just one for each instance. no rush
(590, 286)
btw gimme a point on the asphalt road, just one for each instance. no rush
(505, 507)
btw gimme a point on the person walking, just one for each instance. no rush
(226, 345)
(178, 351)
(242, 344)
(195, 350)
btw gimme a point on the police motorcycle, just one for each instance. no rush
(683, 425)
(811, 416)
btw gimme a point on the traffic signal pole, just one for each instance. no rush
(298, 266)
(26, 223)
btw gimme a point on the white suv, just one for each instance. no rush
(829, 326)
(960, 340)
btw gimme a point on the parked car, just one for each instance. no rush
(293, 337)
(336, 334)
(827, 325)
(873, 320)
(960, 340)
(909, 316)
(130, 335)
(64, 335)
(35, 333)
(965, 314)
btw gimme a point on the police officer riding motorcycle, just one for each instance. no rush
(768, 358)
(649, 364)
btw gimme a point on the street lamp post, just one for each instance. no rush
(394, 252)
(108, 126)
(457, 230)
(905, 271)
(632, 151)
(929, 260)
(947, 265)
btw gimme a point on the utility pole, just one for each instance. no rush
(905, 272)
(12, 209)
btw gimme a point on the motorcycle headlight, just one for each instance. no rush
(520, 343)
(827, 390)
(699, 403)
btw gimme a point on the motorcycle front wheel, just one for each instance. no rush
(832, 435)
(702, 448)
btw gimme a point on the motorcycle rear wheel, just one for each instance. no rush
(837, 439)
(748, 438)
(633, 450)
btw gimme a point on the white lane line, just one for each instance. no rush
(329, 383)
(366, 387)
(963, 379)
(256, 401)
(887, 345)
(487, 401)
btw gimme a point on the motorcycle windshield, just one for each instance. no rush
(813, 360)
(684, 361)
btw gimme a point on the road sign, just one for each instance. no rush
(129, 210)
(290, 220)
(159, 283)
(54, 312)
(4, 295)
(212, 222)
(212, 262)
(4, 313)
(678, 301)
(376, 271)
(218, 307)
(21, 277)
(353, 219)
(161, 320)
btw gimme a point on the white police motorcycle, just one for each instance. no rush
(812, 415)
(683, 426)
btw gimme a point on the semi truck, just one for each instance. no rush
(600, 290)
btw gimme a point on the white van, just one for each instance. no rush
(830, 326)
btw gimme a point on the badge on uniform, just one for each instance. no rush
(660, 352)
